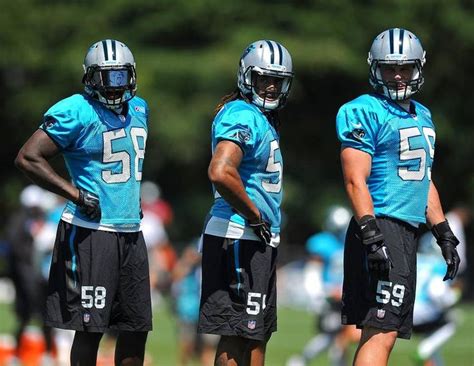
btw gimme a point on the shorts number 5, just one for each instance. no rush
(253, 305)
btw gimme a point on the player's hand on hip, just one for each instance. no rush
(447, 242)
(89, 204)
(262, 229)
(378, 255)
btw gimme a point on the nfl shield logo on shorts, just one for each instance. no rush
(251, 324)
(86, 317)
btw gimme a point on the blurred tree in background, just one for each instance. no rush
(187, 54)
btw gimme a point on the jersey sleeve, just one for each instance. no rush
(62, 123)
(357, 127)
(237, 126)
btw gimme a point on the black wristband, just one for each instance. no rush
(441, 229)
(369, 230)
(443, 234)
(365, 219)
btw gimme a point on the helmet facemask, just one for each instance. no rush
(113, 86)
(393, 89)
(267, 99)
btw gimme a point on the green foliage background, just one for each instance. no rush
(187, 54)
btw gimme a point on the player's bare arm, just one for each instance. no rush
(434, 213)
(356, 166)
(33, 161)
(223, 173)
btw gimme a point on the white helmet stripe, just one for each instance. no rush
(400, 46)
(280, 51)
(114, 49)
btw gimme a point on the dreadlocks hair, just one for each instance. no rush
(234, 95)
(272, 116)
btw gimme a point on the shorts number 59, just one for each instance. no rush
(384, 295)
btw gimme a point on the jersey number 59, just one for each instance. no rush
(415, 154)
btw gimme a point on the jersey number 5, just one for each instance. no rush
(123, 156)
(273, 167)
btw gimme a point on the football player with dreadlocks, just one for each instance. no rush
(388, 143)
(100, 257)
(241, 234)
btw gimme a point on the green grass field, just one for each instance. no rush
(295, 328)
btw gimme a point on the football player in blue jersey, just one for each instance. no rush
(241, 234)
(388, 142)
(99, 276)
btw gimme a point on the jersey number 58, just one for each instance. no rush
(123, 156)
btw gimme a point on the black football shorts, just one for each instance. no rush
(99, 280)
(383, 303)
(238, 288)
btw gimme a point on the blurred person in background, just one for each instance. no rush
(388, 143)
(434, 317)
(99, 275)
(44, 245)
(162, 256)
(242, 231)
(186, 294)
(327, 248)
(23, 229)
(152, 201)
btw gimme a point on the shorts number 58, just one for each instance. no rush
(384, 294)
(93, 297)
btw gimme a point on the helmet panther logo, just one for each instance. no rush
(248, 50)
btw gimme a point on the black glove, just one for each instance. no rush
(378, 255)
(89, 204)
(262, 230)
(447, 242)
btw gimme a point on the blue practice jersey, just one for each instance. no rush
(402, 148)
(330, 250)
(187, 292)
(104, 154)
(261, 168)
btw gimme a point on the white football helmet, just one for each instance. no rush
(268, 58)
(396, 46)
(109, 73)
